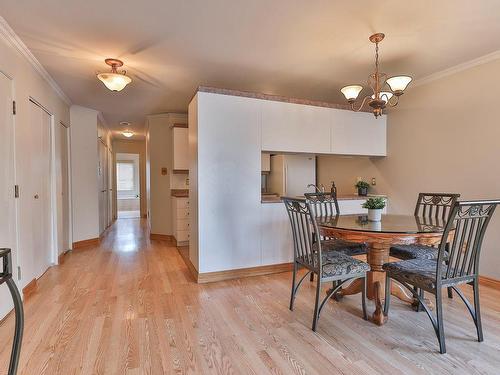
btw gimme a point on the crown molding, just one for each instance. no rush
(457, 68)
(9, 35)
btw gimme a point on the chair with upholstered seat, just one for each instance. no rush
(434, 209)
(328, 266)
(456, 264)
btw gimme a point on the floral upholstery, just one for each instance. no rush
(413, 251)
(341, 246)
(338, 264)
(418, 272)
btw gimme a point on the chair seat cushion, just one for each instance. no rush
(342, 246)
(419, 272)
(338, 264)
(413, 251)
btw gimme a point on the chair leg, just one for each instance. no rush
(387, 300)
(311, 278)
(439, 321)
(450, 292)
(294, 275)
(477, 309)
(19, 327)
(316, 304)
(363, 298)
(421, 295)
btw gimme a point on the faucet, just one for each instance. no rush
(316, 188)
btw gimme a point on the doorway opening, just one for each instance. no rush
(128, 186)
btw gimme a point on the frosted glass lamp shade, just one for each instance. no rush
(398, 83)
(351, 92)
(128, 133)
(384, 95)
(114, 81)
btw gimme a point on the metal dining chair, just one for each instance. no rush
(6, 277)
(308, 253)
(457, 264)
(324, 206)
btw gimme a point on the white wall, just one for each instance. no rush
(159, 149)
(85, 198)
(26, 82)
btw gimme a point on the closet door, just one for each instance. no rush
(33, 176)
(62, 189)
(7, 218)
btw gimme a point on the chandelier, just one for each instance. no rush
(386, 91)
(114, 80)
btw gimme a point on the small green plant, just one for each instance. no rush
(362, 185)
(375, 203)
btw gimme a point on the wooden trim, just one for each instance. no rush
(184, 252)
(29, 289)
(180, 171)
(86, 243)
(274, 98)
(180, 126)
(179, 193)
(162, 237)
(62, 258)
(144, 216)
(489, 281)
(209, 277)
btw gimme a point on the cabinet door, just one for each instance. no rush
(358, 133)
(181, 156)
(295, 127)
(277, 244)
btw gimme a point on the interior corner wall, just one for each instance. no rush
(84, 182)
(444, 137)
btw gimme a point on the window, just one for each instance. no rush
(125, 171)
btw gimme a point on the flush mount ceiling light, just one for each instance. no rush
(115, 80)
(128, 133)
(124, 123)
(386, 91)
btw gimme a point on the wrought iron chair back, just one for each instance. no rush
(323, 204)
(304, 225)
(468, 220)
(435, 205)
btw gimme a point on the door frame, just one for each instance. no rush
(69, 197)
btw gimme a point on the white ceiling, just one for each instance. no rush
(297, 48)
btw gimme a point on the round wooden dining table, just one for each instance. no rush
(380, 236)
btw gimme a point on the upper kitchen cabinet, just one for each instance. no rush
(358, 133)
(180, 147)
(292, 127)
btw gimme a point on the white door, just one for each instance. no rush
(33, 178)
(62, 186)
(7, 206)
(102, 186)
(110, 184)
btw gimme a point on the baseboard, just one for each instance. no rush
(184, 252)
(86, 243)
(62, 257)
(489, 281)
(209, 277)
(162, 237)
(29, 289)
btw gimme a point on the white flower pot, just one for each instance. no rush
(375, 215)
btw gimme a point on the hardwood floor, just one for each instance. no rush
(129, 306)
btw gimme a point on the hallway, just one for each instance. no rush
(129, 306)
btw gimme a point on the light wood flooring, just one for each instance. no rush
(130, 306)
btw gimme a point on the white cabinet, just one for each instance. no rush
(358, 133)
(276, 237)
(180, 147)
(295, 127)
(180, 219)
(265, 161)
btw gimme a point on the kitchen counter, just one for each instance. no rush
(341, 197)
(179, 193)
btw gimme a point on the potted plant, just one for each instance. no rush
(362, 187)
(374, 206)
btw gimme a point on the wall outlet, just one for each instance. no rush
(374, 181)
(164, 171)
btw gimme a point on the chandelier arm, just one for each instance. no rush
(361, 106)
(393, 103)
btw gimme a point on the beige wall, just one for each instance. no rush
(132, 147)
(444, 136)
(344, 170)
(159, 155)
